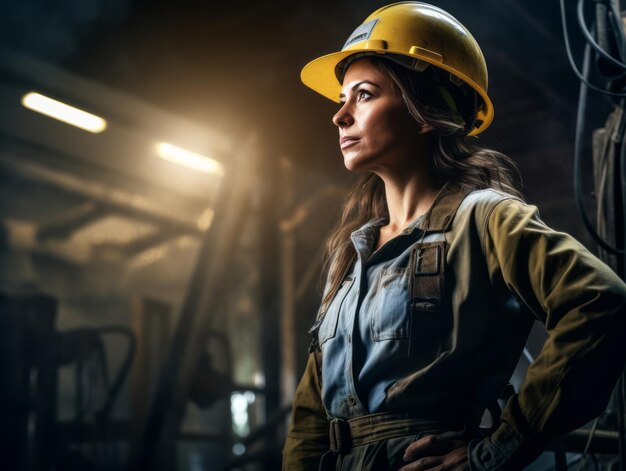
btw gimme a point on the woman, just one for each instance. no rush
(438, 270)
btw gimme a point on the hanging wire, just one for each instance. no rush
(620, 153)
(590, 39)
(585, 85)
(578, 170)
(570, 57)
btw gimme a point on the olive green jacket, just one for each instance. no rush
(504, 268)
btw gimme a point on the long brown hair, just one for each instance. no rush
(456, 159)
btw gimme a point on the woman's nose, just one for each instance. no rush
(343, 117)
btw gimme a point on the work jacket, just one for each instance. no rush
(490, 268)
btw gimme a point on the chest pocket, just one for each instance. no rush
(390, 320)
(409, 301)
(330, 319)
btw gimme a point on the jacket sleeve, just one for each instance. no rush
(581, 301)
(307, 437)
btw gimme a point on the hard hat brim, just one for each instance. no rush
(320, 76)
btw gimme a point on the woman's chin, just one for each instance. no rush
(356, 169)
(355, 165)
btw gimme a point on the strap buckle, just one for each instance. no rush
(339, 434)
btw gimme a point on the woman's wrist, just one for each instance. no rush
(505, 448)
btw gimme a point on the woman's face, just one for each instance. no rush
(376, 131)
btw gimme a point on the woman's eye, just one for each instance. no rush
(360, 95)
(363, 94)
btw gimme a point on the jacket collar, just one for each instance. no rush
(437, 219)
(441, 214)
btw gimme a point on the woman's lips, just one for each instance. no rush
(347, 141)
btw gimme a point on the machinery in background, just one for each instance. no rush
(60, 186)
(31, 353)
(33, 437)
(604, 73)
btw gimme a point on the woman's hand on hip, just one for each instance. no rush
(437, 453)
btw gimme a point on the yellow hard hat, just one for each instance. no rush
(423, 34)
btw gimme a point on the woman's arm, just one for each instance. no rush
(307, 438)
(583, 306)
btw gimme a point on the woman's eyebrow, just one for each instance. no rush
(356, 85)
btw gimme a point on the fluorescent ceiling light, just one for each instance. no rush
(66, 113)
(189, 159)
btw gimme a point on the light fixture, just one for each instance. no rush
(189, 159)
(63, 112)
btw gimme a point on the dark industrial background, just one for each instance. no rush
(130, 284)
